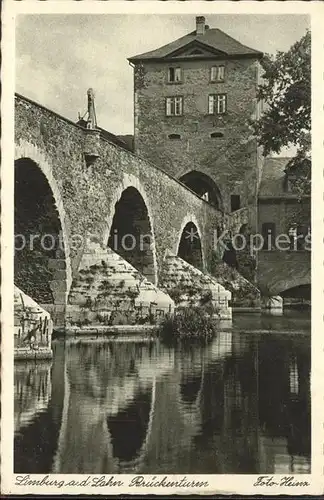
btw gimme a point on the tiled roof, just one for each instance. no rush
(273, 176)
(213, 39)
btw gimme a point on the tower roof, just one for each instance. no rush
(214, 41)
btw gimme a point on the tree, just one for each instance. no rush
(286, 93)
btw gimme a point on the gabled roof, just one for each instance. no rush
(273, 177)
(214, 39)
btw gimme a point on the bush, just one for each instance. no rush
(187, 325)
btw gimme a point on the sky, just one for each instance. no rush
(58, 57)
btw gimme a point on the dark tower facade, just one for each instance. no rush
(193, 100)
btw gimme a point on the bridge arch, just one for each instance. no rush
(189, 243)
(41, 219)
(204, 186)
(283, 287)
(130, 229)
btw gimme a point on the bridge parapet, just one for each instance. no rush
(238, 219)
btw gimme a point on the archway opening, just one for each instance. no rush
(129, 427)
(297, 297)
(190, 246)
(204, 187)
(131, 233)
(190, 387)
(299, 291)
(40, 267)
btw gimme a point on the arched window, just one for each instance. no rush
(297, 235)
(174, 137)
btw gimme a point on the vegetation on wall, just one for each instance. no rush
(188, 325)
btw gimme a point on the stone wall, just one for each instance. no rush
(232, 160)
(283, 212)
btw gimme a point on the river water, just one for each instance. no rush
(238, 405)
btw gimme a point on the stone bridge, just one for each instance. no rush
(95, 222)
(76, 187)
(284, 272)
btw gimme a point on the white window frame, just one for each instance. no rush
(174, 106)
(217, 73)
(177, 75)
(217, 104)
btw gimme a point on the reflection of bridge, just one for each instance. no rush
(120, 418)
(138, 408)
(32, 391)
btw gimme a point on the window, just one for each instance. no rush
(217, 74)
(174, 106)
(174, 136)
(174, 75)
(215, 135)
(217, 104)
(269, 235)
(235, 202)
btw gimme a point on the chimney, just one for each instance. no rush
(200, 25)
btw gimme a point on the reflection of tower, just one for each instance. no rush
(293, 376)
(240, 432)
(284, 401)
(298, 411)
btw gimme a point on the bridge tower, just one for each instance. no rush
(193, 99)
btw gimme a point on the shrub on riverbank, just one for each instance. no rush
(188, 325)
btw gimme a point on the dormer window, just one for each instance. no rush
(217, 73)
(174, 75)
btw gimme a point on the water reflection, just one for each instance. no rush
(239, 405)
(32, 391)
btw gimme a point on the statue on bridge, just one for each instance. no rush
(91, 121)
